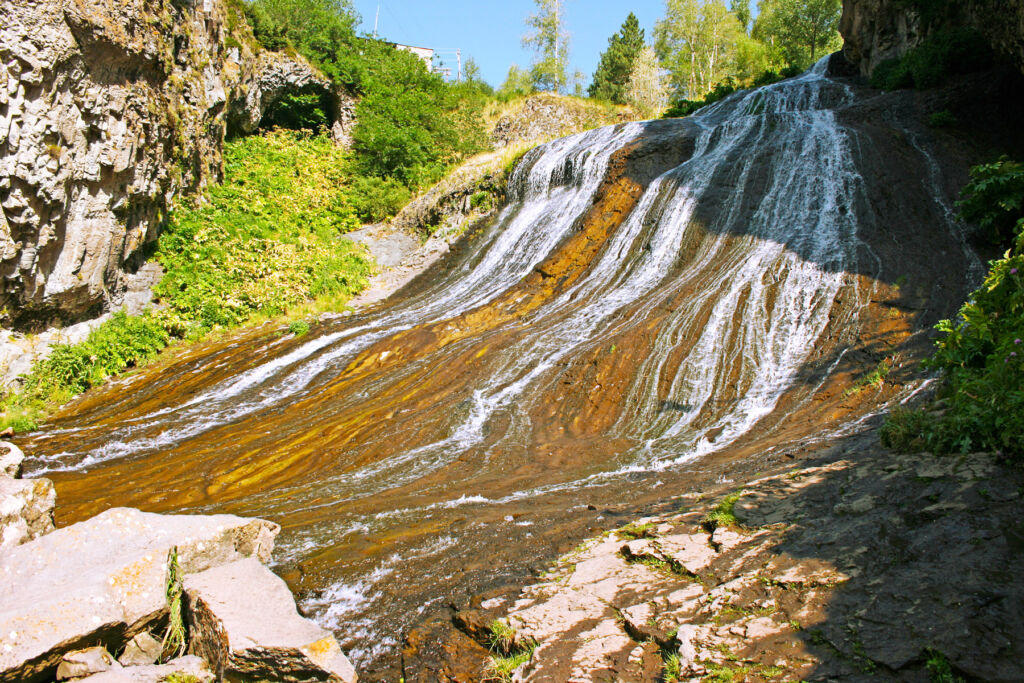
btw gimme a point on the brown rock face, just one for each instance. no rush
(877, 30)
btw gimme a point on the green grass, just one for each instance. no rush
(298, 327)
(939, 670)
(722, 515)
(634, 531)
(873, 379)
(266, 243)
(508, 652)
(672, 667)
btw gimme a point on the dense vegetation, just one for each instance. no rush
(981, 354)
(264, 243)
(945, 53)
(616, 64)
(411, 125)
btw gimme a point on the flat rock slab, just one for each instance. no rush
(242, 619)
(105, 578)
(26, 510)
(190, 666)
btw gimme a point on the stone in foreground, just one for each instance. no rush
(142, 650)
(242, 620)
(190, 668)
(104, 580)
(10, 462)
(26, 511)
(82, 663)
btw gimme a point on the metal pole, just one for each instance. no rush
(375, 20)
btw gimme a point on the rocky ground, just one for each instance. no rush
(854, 564)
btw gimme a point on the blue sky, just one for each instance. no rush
(491, 31)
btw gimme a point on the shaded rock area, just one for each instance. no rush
(232, 631)
(856, 565)
(877, 30)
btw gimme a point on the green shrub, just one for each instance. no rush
(981, 353)
(907, 430)
(994, 199)
(298, 327)
(941, 55)
(298, 111)
(942, 119)
(377, 199)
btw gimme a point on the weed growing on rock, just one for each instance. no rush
(634, 531)
(298, 327)
(939, 670)
(508, 651)
(723, 514)
(173, 644)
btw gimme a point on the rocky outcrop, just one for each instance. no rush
(189, 669)
(548, 116)
(107, 111)
(26, 510)
(877, 30)
(105, 580)
(826, 572)
(258, 639)
(268, 76)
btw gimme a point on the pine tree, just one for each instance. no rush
(616, 65)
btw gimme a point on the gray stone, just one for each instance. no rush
(26, 510)
(106, 578)
(189, 665)
(242, 620)
(82, 663)
(10, 462)
(142, 650)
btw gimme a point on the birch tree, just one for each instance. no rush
(550, 41)
(647, 90)
(696, 41)
(803, 30)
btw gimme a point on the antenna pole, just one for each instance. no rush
(375, 20)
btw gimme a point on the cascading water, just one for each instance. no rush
(625, 314)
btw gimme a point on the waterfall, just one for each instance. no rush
(548, 363)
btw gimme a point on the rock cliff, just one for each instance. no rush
(107, 111)
(877, 30)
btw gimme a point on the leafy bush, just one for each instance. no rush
(981, 354)
(298, 111)
(994, 199)
(943, 54)
(377, 199)
(267, 238)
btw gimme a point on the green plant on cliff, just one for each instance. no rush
(981, 353)
(173, 644)
(267, 241)
(944, 54)
(508, 651)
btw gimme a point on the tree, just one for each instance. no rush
(551, 43)
(741, 8)
(802, 30)
(696, 41)
(518, 82)
(646, 89)
(617, 61)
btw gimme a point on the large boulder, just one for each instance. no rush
(10, 461)
(242, 620)
(104, 580)
(26, 510)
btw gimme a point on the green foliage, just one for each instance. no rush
(943, 54)
(377, 199)
(410, 124)
(267, 238)
(518, 83)
(616, 65)
(803, 30)
(994, 199)
(298, 111)
(696, 41)
(981, 354)
(550, 41)
(939, 670)
(942, 119)
(636, 531)
(121, 342)
(298, 327)
(508, 652)
(723, 514)
(907, 430)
